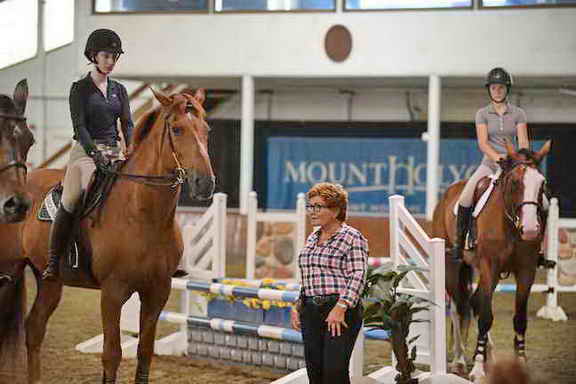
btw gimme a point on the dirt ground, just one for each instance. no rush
(551, 346)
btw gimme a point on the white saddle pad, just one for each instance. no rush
(485, 196)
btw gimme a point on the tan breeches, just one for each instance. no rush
(80, 170)
(467, 196)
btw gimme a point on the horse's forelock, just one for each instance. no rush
(528, 155)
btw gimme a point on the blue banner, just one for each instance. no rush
(370, 169)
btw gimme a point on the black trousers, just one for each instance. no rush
(327, 357)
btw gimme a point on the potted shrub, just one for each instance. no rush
(394, 312)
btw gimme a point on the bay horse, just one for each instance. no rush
(510, 229)
(135, 242)
(15, 141)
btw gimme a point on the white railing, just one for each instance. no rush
(205, 242)
(552, 310)
(410, 245)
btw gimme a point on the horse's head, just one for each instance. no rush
(524, 187)
(15, 141)
(184, 141)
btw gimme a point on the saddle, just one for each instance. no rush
(76, 269)
(482, 194)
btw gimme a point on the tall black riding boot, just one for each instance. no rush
(59, 240)
(462, 226)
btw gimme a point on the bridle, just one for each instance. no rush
(13, 163)
(511, 209)
(173, 180)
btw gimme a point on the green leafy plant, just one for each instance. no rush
(393, 311)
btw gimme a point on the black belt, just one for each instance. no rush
(321, 299)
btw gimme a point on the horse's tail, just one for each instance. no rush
(13, 357)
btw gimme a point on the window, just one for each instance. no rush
(516, 3)
(274, 5)
(58, 23)
(119, 6)
(406, 4)
(18, 28)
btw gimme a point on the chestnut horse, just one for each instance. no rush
(510, 229)
(135, 241)
(15, 141)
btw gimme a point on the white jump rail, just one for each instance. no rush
(552, 310)
(431, 346)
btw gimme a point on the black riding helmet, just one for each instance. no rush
(499, 75)
(102, 40)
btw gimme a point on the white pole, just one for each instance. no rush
(252, 207)
(438, 309)
(551, 310)
(300, 231)
(395, 203)
(246, 142)
(356, 366)
(219, 269)
(433, 137)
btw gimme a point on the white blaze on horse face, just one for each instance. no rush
(532, 183)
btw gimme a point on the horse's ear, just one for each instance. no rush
(21, 96)
(510, 149)
(161, 97)
(200, 95)
(543, 151)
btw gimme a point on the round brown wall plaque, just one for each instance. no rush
(338, 43)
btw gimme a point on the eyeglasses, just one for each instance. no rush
(315, 207)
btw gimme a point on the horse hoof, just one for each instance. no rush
(458, 369)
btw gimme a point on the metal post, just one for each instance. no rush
(247, 142)
(433, 137)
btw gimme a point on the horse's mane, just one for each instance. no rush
(144, 125)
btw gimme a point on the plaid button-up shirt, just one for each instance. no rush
(337, 266)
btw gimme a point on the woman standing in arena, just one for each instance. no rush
(333, 266)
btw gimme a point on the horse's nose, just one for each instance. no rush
(530, 234)
(201, 186)
(16, 205)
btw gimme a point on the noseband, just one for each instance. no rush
(14, 163)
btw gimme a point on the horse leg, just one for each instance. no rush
(524, 281)
(153, 301)
(458, 285)
(112, 299)
(47, 299)
(483, 298)
(458, 364)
